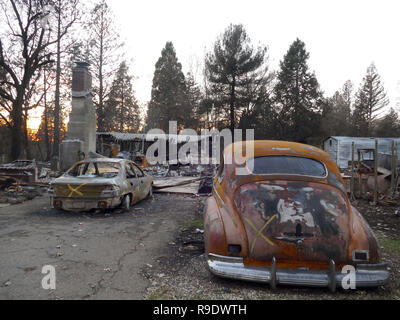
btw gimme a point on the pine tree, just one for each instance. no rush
(66, 13)
(169, 98)
(370, 99)
(389, 125)
(122, 109)
(336, 113)
(260, 114)
(195, 98)
(232, 66)
(262, 118)
(298, 96)
(104, 55)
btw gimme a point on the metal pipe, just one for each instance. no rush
(376, 173)
(352, 173)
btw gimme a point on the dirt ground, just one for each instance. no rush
(96, 255)
(154, 251)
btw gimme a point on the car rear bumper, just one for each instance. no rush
(367, 275)
(84, 204)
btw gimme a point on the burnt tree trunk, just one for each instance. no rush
(57, 93)
(16, 121)
(46, 119)
(26, 135)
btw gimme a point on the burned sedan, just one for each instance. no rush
(101, 183)
(279, 214)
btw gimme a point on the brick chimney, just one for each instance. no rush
(81, 80)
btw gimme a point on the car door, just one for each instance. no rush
(133, 183)
(142, 182)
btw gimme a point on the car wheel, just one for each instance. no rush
(126, 202)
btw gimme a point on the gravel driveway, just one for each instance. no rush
(95, 255)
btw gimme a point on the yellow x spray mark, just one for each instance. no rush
(260, 232)
(75, 190)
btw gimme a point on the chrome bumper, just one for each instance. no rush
(234, 268)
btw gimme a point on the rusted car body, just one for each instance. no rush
(100, 183)
(281, 215)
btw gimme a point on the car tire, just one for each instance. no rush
(126, 203)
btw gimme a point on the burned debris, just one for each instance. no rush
(23, 180)
(370, 167)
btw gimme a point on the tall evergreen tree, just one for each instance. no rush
(104, 55)
(194, 98)
(298, 96)
(370, 99)
(123, 112)
(169, 98)
(336, 113)
(232, 66)
(389, 125)
(260, 113)
(65, 14)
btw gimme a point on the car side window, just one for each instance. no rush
(138, 172)
(129, 172)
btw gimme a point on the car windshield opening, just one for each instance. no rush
(286, 165)
(95, 170)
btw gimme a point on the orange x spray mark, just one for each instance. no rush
(76, 190)
(260, 232)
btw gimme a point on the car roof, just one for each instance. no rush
(240, 155)
(105, 160)
(275, 147)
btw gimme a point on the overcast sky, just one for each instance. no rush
(342, 36)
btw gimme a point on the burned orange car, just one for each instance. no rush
(279, 214)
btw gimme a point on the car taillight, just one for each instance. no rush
(110, 192)
(57, 204)
(102, 205)
(234, 249)
(360, 255)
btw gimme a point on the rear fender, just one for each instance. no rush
(214, 233)
(223, 228)
(362, 237)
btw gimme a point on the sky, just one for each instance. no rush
(343, 37)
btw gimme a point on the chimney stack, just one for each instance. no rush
(81, 80)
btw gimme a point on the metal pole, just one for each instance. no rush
(376, 173)
(352, 173)
(393, 168)
(396, 175)
(359, 174)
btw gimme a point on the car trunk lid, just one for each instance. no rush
(72, 187)
(294, 221)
